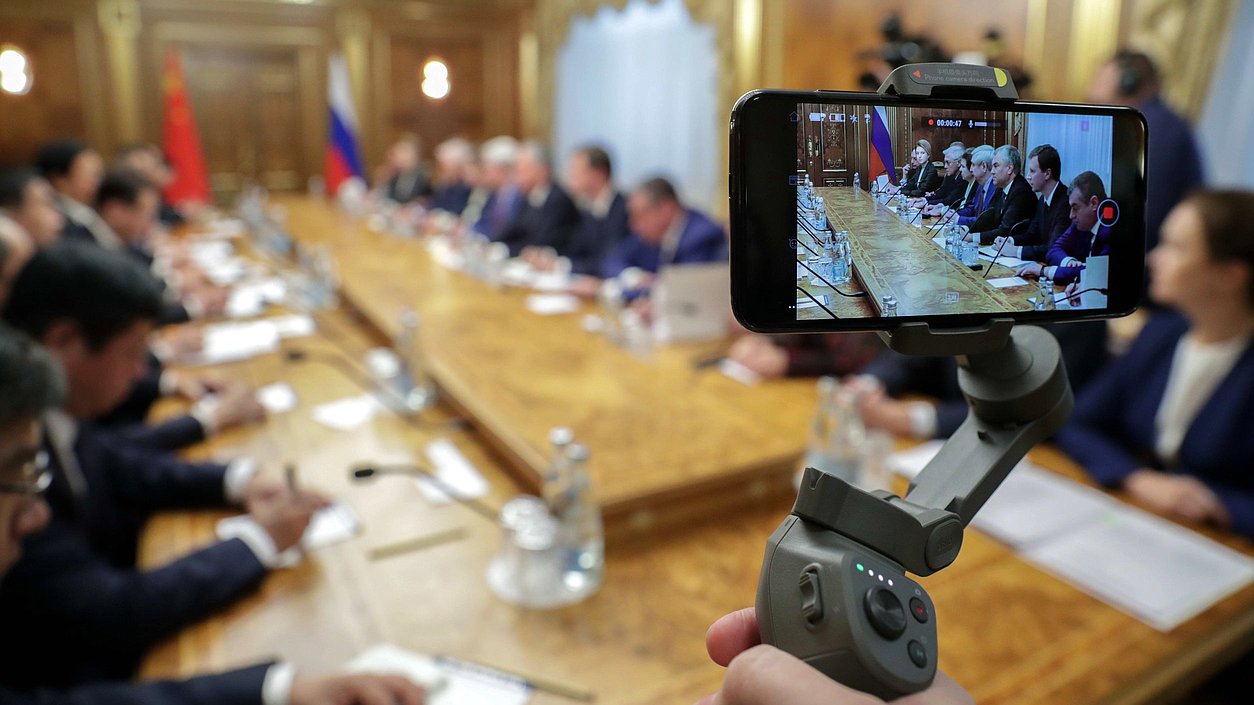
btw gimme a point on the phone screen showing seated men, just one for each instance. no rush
(910, 211)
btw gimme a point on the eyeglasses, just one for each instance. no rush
(36, 474)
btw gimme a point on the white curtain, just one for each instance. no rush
(1227, 140)
(643, 83)
(1083, 142)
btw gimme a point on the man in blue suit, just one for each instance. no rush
(30, 386)
(497, 157)
(1085, 237)
(982, 170)
(78, 592)
(547, 215)
(664, 232)
(603, 217)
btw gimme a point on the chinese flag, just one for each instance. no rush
(180, 140)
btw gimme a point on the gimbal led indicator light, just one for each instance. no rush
(860, 567)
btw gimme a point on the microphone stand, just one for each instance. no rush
(1009, 236)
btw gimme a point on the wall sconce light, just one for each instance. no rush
(15, 76)
(435, 83)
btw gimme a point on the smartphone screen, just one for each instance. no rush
(855, 211)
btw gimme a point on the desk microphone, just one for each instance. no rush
(940, 220)
(341, 365)
(363, 473)
(1009, 236)
(1065, 295)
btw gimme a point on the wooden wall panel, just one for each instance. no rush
(256, 72)
(55, 105)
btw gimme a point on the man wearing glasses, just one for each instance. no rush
(31, 384)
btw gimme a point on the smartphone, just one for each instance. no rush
(818, 188)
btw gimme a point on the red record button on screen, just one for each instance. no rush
(1108, 213)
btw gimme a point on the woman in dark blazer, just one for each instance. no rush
(1172, 422)
(921, 177)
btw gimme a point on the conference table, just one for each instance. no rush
(693, 468)
(896, 257)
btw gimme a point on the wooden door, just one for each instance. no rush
(247, 105)
(828, 146)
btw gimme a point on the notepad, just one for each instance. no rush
(472, 684)
(1005, 282)
(454, 471)
(230, 342)
(277, 398)
(347, 414)
(739, 372)
(552, 304)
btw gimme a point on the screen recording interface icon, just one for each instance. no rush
(907, 211)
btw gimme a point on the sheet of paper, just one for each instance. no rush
(387, 659)
(1004, 282)
(739, 372)
(1146, 566)
(810, 303)
(278, 398)
(454, 471)
(552, 282)
(329, 525)
(988, 252)
(230, 342)
(297, 325)
(1034, 505)
(472, 684)
(245, 302)
(552, 304)
(347, 414)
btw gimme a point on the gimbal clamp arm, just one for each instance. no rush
(1016, 385)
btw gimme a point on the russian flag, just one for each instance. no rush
(881, 146)
(343, 157)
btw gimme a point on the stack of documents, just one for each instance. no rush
(1153, 569)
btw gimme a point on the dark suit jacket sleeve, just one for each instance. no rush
(69, 593)
(1020, 205)
(143, 395)
(1091, 435)
(557, 221)
(150, 480)
(172, 313)
(240, 687)
(174, 434)
(1237, 502)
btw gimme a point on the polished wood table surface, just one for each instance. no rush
(1008, 632)
(893, 257)
(668, 441)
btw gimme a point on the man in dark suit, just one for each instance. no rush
(1013, 201)
(664, 232)
(30, 386)
(1053, 212)
(603, 210)
(78, 592)
(75, 171)
(453, 160)
(548, 215)
(921, 177)
(405, 178)
(1174, 164)
(28, 202)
